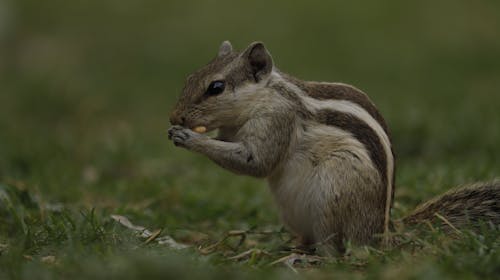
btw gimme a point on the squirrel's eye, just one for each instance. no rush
(215, 88)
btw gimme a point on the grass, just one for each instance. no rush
(86, 88)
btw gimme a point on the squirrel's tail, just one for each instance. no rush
(461, 207)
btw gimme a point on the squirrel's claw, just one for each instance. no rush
(174, 130)
(181, 136)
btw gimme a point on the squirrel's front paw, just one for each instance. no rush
(183, 137)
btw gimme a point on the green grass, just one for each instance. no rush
(85, 92)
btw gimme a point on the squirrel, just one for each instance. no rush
(324, 149)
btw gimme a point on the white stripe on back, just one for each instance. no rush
(356, 110)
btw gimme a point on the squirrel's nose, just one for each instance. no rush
(176, 118)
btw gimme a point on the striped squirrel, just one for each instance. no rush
(324, 148)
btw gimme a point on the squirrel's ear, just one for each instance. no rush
(259, 60)
(225, 48)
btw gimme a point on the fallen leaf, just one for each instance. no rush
(151, 236)
(49, 259)
(249, 253)
(167, 240)
(126, 222)
(295, 258)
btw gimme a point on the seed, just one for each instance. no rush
(200, 129)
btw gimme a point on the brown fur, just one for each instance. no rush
(327, 169)
(462, 207)
(340, 92)
(362, 132)
(196, 85)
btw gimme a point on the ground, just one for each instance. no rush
(85, 93)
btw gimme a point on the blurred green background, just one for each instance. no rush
(86, 88)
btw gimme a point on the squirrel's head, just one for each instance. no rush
(214, 95)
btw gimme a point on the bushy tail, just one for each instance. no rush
(461, 207)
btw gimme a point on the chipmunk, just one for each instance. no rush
(324, 149)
